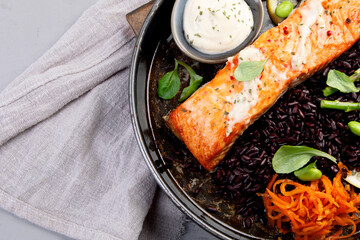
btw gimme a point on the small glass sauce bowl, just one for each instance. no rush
(257, 10)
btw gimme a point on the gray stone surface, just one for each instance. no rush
(27, 29)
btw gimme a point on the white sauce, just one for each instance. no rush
(323, 31)
(280, 76)
(248, 97)
(217, 26)
(310, 15)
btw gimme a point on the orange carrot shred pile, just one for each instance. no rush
(313, 211)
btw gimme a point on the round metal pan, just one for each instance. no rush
(189, 186)
(180, 176)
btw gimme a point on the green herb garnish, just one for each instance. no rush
(195, 81)
(341, 81)
(288, 159)
(249, 70)
(333, 78)
(169, 84)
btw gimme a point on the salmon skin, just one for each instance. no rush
(314, 34)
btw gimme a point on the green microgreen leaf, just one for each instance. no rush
(291, 158)
(330, 90)
(341, 81)
(169, 84)
(249, 70)
(195, 81)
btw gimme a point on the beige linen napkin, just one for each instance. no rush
(69, 160)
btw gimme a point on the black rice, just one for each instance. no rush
(296, 119)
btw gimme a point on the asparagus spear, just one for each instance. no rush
(345, 106)
(330, 90)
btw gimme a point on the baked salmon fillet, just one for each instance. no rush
(314, 34)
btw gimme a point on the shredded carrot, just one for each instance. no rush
(313, 211)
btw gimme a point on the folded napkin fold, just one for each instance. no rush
(69, 160)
